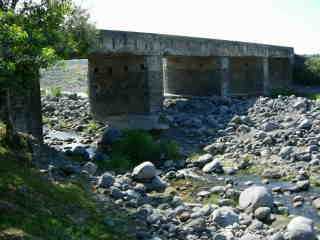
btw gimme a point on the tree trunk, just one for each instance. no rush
(10, 130)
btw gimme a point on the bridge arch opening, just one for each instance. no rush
(193, 76)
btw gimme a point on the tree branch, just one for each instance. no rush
(14, 4)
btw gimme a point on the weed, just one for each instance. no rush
(92, 126)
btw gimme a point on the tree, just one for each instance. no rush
(34, 34)
(313, 65)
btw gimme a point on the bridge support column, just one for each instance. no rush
(155, 82)
(266, 77)
(225, 76)
(291, 67)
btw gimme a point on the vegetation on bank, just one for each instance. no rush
(32, 207)
(307, 70)
(138, 146)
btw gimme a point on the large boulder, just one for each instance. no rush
(79, 151)
(90, 168)
(305, 124)
(144, 171)
(286, 151)
(106, 180)
(270, 126)
(213, 167)
(156, 184)
(225, 216)
(110, 136)
(301, 228)
(251, 236)
(254, 197)
(202, 160)
(300, 104)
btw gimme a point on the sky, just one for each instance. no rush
(294, 23)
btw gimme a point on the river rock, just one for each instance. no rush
(106, 180)
(316, 203)
(250, 236)
(144, 171)
(90, 168)
(202, 160)
(305, 124)
(270, 126)
(214, 166)
(255, 197)
(262, 213)
(285, 152)
(301, 228)
(156, 184)
(224, 216)
(110, 136)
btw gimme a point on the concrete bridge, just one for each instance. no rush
(130, 72)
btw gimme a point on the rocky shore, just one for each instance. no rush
(249, 168)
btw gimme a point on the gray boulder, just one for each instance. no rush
(202, 160)
(301, 228)
(262, 213)
(285, 152)
(110, 136)
(250, 236)
(106, 180)
(224, 216)
(90, 168)
(254, 197)
(316, 203)
(80, 151)
(156, 184)
(305, 124)
(214, 166)
(270, 126)
(301, 103)
(144, 171)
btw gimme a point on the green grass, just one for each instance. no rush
(41, 209)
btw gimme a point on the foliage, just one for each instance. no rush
(307, 70)
(56, 91)
(139, 146)
(34, 34)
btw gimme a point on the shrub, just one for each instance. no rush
(307, 70)
(56, 91)
(139, 146)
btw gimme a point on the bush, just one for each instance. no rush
(56, 91)
(307, 70)
(139, 146)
